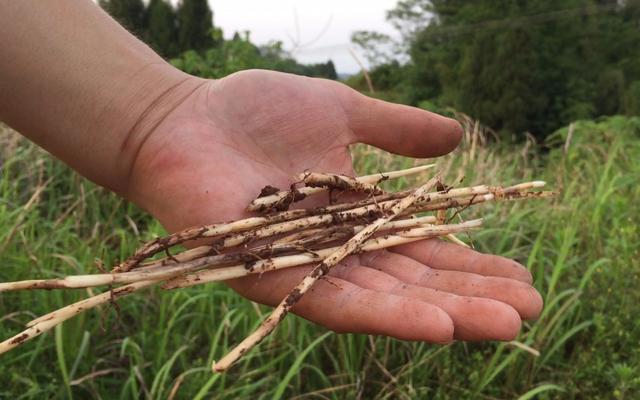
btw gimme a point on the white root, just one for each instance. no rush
(324, 235)
(339, 182)
(352, 245)
(423, 203)
(261, 266)
(170, 271)
(160, 244)
(268, 202)
(447, 200)
(48, 321)
(325, 216)
(208, 231)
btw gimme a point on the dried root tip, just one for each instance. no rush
(281, 200)
(500, 191)
(526, 186)
(538, 184)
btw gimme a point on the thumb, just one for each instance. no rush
(399, 129)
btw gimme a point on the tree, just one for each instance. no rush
(240, 54)
(522, 65)
(321, 70)
(129, 13)
(632, 99)
(195, 26)
(162, 33)
(377, 47)
(328, 70)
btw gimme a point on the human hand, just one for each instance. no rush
(207, 157)
(194, 152)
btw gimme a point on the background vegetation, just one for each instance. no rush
(520, 66)
(581, 247)
(187, 36)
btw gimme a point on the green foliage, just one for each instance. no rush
(162, 29)
(195, 25)
(169, 31)
(429, 106)
(522, 66)
(188, 37)
(388, 82)
(374, 46)
(520, 72)
(240, 54)
(321, 70)
(129, 13)
(410, 16)
(632, 102)
(581, 247)
(388, 76)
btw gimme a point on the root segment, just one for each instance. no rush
(267, 203)
(352, 245)
(322, 235)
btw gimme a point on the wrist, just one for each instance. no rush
(147, 98)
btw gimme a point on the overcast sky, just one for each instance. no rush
(276, 20)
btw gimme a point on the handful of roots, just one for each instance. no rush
(282, 238)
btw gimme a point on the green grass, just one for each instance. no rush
(582, 247)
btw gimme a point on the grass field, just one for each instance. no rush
(583, 249)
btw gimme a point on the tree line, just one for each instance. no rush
(186, 35)
(518, 66)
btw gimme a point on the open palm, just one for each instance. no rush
(210, 156)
